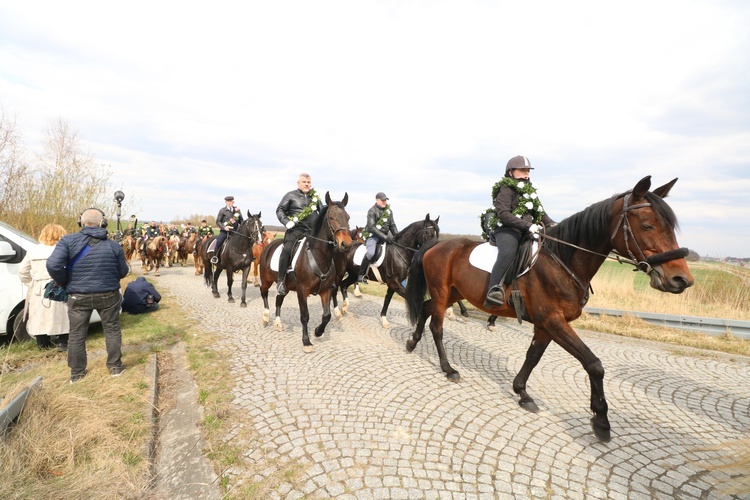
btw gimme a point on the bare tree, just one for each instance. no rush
(14, 170)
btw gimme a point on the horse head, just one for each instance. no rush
(337, 223)
(644, 231)
(356, 234)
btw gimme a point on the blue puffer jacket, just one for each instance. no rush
(100, 270)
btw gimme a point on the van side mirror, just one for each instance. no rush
(6, 251)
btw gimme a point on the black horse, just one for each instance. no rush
(236, 253)
(314, 271)
(395, 266)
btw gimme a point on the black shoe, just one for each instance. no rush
(62, 347)
(117, 371)
(495, 298)
(281, 290)
(77, 378)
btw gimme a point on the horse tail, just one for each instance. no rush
(416, 285)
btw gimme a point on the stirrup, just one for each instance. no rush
(214, 260)
(363, 280)
(495, 297)
(281, 289)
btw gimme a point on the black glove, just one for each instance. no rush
(389, 238)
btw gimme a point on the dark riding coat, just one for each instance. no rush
(224, 216)
(290, 205)
(506, 201)
(373, 215)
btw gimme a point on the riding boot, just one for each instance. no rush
(215, 258)
(496, 294)
(283, 266)
(363, 268)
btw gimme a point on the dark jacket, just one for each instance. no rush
(505, 202)
(135, 298)
(373, 215)
(100, 270)
(290, 205)
(224, 216)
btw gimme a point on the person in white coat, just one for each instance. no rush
(45, 317)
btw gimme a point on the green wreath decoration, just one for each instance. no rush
(309, 209)
(380, 222)
(528, 203)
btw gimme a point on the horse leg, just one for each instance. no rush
(464, 311)
(277, 322)
(245, 275)
(411, 344)
(325, 300)
(214, 281)
(436, 325)
(230, 280)
(304, 317)
(334, 294)
(538, 345)
(491, 322)
(561, 332)
(156, 267)
(386, 302)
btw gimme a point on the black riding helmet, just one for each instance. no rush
(517, 162)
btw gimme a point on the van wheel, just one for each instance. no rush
(19, 328)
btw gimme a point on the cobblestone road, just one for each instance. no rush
(366, 419)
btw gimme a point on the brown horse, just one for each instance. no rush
(128, 246)
(156, 249)
(314, 271)
(173, 244)
(638, 226)
(268, 237)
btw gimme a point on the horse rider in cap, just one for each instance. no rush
(519, 212)
(296, 211)
(148, 231)
(380, 228)
(228, 219)
(204, 230)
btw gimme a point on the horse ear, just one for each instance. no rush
(345, 200)
(328, 198)
(436, 220)
(248, 213)
(427, 218)
(640, 189)
(663, 191)
(258, 216)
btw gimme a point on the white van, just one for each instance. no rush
(13, 247)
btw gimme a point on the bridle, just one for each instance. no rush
(644, 264)
(256, 235)
(331, 229)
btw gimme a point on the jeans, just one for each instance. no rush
(80, 307)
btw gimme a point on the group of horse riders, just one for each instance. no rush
(518, 213)
(151, 230)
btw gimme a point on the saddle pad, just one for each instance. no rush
(276, 256)
(359, 255)
(484, 256)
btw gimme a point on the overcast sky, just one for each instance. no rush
(188, 102)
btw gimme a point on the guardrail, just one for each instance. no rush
(711, 326)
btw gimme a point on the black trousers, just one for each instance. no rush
(507, 247)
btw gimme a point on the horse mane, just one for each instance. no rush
(317, 221)
(592, 224)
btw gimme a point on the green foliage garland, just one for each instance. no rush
(380, 222)
(309, 209)
(528, 203)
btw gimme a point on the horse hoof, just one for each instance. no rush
(337, 314)
(384, 322)
(528, 404)
(278, 325)
(216, 295)
(319, 333)
(410, 345)
(243, 304)
(601, 430)
(308, 348)
(454, 377)
(491, 328)
(257, 284)
(230, 300)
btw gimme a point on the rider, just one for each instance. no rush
(294, 214)
(519, 211)
(148, 231)
(203, 231)
(380, 227)
(228, 219)
(189, 229)
(172, 230)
